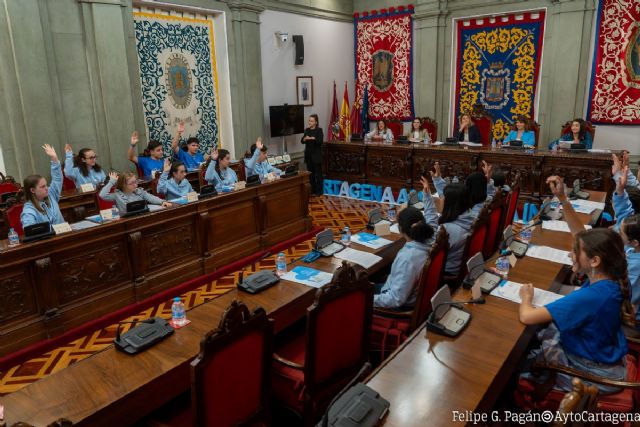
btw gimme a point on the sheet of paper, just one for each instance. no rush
(550, 254)
(308, 276)
(84, 224)
(556, 225)
(599, 150)
(395, 228)
(153, 208)
(470, 144)
(355, 256)
(437, 143)
(586, 206)
(62, 228)
(511, 291)
(370, 240)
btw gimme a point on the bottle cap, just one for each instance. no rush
(281, 253)
(176, 299)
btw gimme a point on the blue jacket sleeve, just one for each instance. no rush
(162, 183)
(398, 286)
(439, 183)
(529, 138)
(106, 193)
(250, 163)
(622, 207)
(511, 136)
(28, 217)
(69, 170)
(588, 142)
(430, 211)
(55, 188)
(211, 176)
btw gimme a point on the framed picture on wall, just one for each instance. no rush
(304, 90)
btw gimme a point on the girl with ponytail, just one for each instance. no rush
(587, 329)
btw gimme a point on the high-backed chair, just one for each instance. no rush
(473, 245)
(581, 399)
(431, 126)
(512, 202)
(67, 183)
(9, 187)
(484, 121)
(230, 377)
(497, 206)
(395, 125)
(391, 327)
(591, 129)
(139, 170)
(311, 368)
(13, 217)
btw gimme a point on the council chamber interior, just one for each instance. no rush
(319, 212)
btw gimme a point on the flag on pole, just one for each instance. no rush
(345, 115)
(333, 118)
(365, 111)
(356, 116)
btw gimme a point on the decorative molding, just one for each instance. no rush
(14, 297)
(314, 12)
(121, 3)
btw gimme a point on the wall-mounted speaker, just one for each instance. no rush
(297, 40)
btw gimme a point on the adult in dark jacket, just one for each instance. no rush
(312, 139)
(467, 130)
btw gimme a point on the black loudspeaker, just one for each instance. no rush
(297, 40)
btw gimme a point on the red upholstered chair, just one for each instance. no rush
(102, 203)
(202, 172)
(231, 377)
(310, 369)
(12, 217)
(529, 398)
(8, 187)
(395, 125)
(391, 327)
(67, 183)
(431, 126)
(484, 121)
(495, 227)
(566, 128)
(512, 202)
(139, 170)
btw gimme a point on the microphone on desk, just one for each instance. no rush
(258, 281)
(131, 322)
(462, 319)
(577, 187)
(325, 418)
(241, 279)
(509, 237)
(137, 339)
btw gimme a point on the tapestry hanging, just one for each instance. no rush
(383, 54)
(498, 65)
(179, 77)
(615, 77)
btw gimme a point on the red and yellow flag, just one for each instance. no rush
(345, 115)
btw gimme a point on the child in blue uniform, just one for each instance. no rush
(172, 182)
(219, 173)
(151, 160)
(191, 157)
(41, 201)
(127, 191)
(256, 163)
(83, 168)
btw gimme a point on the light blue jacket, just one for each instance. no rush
(30, 215)
(171, 188)
(400, 288)
(528, 137)
(387, 135)
(252, 167)
(458, 231)
(631, 179)
(226, 177)
(122, 199)
(73, 173)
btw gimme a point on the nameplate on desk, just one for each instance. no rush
(512, 260)
(106, 214)
(271, 160)
(279, 159)
(382, 228)
(62, 228)
(240, 185)
(286, 157)
(192, 197)
(86, 188)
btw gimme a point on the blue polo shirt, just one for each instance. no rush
(590, 323)
(148, 164)
(190, 162)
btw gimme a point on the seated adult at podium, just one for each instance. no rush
(255, 162)
(218, 172)
(127, 191)
(418, 230)
(83, 168)
(522, 133)
(173, 183)
(467, 130)
(577, 135)
(151, 159)
(381, 132)
(586, 330)
(417, 133)
(41, 201)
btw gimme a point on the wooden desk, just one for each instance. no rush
(51, 286)
(431, 376)
(401, 165)
(111, 388)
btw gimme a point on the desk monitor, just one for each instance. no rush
(39, 231)
(135, 208)
(451, 141)
(289, 171)
(253, 180)
(207, 191)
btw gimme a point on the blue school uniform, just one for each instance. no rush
(171, 188)
(30, 215)
(252, 167)
(72, 172)
(226, 177)
(190, 162)
(149, 165)
(528, 137)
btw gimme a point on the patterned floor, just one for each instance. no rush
(327, 212)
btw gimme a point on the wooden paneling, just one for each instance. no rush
(50, 286)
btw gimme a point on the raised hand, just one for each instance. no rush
(436, 173)
(67, 148)
(556, 184)
(425, 184)
(214, 154)
(113, 175)
(259, 143)
(134, 137)
(622, 180)
(617, 164)
(51, 152)
(487, 168)
(625, 158)
(180, 128)
(167, 165)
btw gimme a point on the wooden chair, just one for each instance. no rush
(591, 129)
(231, 376)
(311, 368)
(484, 121)
(397, 324)
(431, 126)
(582, 398)
(495, 225)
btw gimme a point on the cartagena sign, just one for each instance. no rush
(367, 192)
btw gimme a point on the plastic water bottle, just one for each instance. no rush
(281, 264)
(115, 213)
(391, 214)
(14, 239)
(178, 315)
(502, 264)
(493, 143)
(346, 236)
(526, 233)
(455, 180)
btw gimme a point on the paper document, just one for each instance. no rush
(364, 259)
(370, 240)
(599, 150)
(308, 276)
(511, 291)
(395, 228)
(556, 225)
(83, 225)
(153, 208)
(470, 144)
(437, 143)
(586, 206)
(550, 254)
